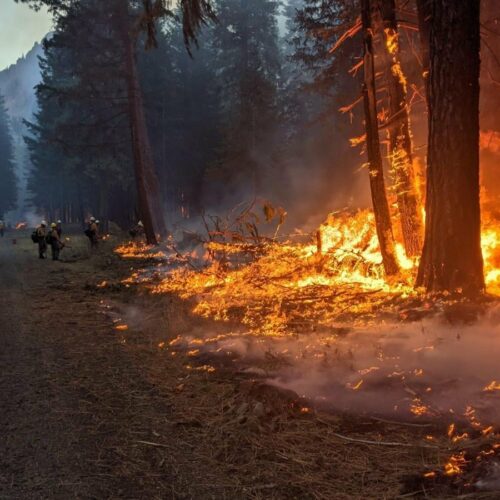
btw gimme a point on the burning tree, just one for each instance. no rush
(452, 258)
(376, 168)
(398, 124)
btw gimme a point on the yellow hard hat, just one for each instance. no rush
(53, 224)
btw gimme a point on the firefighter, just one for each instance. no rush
(59, 228)
(2, 228)
(137, 231)
(55, 241)
(92, 232)
(41, 233)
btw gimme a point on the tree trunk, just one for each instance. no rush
(148, 193)
(375, 165)
(452, 259)
(400, 142)
(424, 27)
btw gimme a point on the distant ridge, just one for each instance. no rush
(17, 84)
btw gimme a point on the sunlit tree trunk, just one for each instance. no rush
(148, 192)
(375, 165)
(452, 257)
(400, 142)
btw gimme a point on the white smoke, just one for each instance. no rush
(431, 368)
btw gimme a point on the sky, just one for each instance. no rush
(20, 28)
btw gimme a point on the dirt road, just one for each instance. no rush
(70, 418)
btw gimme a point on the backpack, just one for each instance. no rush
(88, 232)
(48, 239)
(34, 236)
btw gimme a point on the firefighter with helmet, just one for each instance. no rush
(54, 241)
(41, 233)
(92, 232)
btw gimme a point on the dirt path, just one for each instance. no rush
(70, 399)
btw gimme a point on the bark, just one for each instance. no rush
(424, 27)
(400, 142)
(148, 192)
(375, 165)
(103, 206)
(452, 259)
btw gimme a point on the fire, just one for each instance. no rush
(490, 245)
(21, 225)
(356, 386)
(419, 409)
(492, 386)
(455, 464)
(278, 287)
(139, 250)
(275, 288)
(392, 44)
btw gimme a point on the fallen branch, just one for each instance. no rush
(157, 445)
(395, 422)
(384, 443)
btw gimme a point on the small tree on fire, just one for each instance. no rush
(398, 126)
(375, 166)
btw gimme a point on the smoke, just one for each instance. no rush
(32, 218)
(428, 369)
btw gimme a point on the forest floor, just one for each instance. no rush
(94, 406)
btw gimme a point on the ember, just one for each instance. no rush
(455, 465)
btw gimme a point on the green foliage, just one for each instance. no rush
(80, 145)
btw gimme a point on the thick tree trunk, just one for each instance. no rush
(452, 259)
(400, 142)
(375, 165)
(148, 192)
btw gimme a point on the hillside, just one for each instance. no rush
(17, 85)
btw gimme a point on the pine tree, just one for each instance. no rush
(451, 259)
(245, 40)
(8, 181)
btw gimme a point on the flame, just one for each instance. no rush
(455, 464)
(139, 250)
(451, 430)
(21, 225)
(392, 44)
(490, 245)
(492, 386)
(419, 409)
(276, 288)
(391, 41)
(356, 386)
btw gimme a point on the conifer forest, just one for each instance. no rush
(250, 249)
